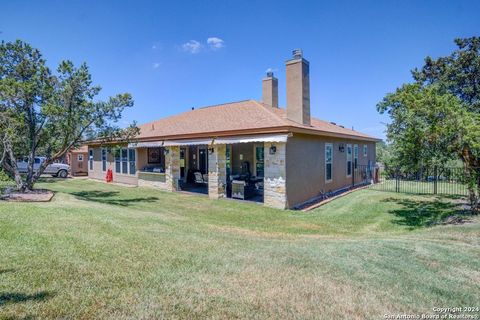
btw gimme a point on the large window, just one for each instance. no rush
(125, 161)
(117, 161)
(328, 161)
(104, 159)
(349, 160)
(365, 150)
(131, 160)
(90, 159)
(259, 161)
(355, 156)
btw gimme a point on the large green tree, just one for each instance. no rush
(437, 119)
(47, 114)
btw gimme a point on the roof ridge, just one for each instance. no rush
(269, 109)
(194, 109)
(223, 104)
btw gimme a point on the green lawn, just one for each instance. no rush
(103, 251)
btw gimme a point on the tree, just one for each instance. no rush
(436, 119)
(384, 153)
(459, 75)
(47, 114)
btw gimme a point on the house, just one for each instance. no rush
(77, 159)
(246, 149)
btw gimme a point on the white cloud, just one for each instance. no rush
(215, 43)
(192, 46)
(156, 65)
(154, 47)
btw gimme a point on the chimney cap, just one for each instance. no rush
(297, 53)
(269, 74)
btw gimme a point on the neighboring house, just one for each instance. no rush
(282, 157)
(78, 161)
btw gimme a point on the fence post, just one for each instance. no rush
(435, 178)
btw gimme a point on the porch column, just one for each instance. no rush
(274, 188)
(217, 172)
(172, 167)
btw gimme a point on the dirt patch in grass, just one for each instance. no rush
(38, 195)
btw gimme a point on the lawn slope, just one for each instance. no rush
(103, 251)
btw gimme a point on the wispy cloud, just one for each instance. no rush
(192, 46)
(154, 47)
(215, 43)
(156, 65)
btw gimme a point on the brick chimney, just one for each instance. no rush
(298, 88)
(270, 90)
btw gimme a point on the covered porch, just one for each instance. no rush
(250, 168)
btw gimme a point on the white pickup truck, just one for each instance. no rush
(55, 169)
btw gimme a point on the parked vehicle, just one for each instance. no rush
(55, 169)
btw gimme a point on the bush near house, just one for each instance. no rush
(103, 251)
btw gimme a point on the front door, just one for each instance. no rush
(202, 160)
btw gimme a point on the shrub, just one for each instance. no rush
(4, 177)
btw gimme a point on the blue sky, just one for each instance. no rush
(159, 50)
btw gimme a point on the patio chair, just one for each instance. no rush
(199, 178)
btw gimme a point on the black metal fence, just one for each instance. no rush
(426, 180)
(362, 175)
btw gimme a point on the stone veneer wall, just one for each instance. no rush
(275, 194)
(217, 172)
(172, 168)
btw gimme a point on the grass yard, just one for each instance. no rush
(103, 251)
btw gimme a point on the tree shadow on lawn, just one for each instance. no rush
(110, 197)
(6, 270)
(418, 214)
(16, 297)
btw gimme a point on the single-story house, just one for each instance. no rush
(247, 149)
(77, 159)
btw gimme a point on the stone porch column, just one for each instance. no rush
(172, 167)
(217, 172)
(274, 189)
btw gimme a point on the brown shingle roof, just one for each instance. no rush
(232, 118)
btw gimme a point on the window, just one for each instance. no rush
(90, 159)
(131, 160)
(259, 161)
(355, 156)
(104, 159)
(328, 161)
(365, 150)
(349, 160)
(80, 158)
(117, 160)
(125, 161)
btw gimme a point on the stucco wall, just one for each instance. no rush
(306, 166)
